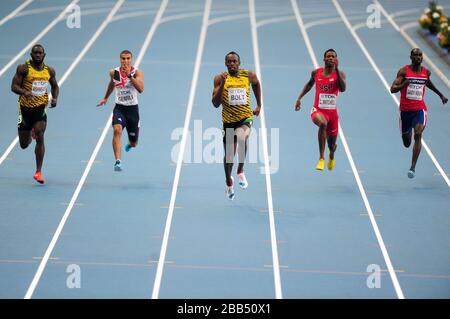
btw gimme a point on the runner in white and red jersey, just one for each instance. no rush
(411, 82)
(127, 81)
(329, 81)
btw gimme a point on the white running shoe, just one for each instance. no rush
(229, 192)
(242, 180)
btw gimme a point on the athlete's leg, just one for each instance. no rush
(39, 150)
(229, 143)
(406, 138)
(116, 142)
(332, 145)
(242, 134)
(24, 139)
(418, 130)
(322, 123)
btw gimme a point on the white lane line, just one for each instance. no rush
(273, 237)
(274, 20)
(413, 44)
(380, 240)
(58, 231)
(15, 12)
(385, 83)
(198, 61)
(37, 38)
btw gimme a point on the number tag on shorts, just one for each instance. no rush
(237, 96)
(39, 88)
(327, 101)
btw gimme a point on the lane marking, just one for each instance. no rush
(352, 163)
(55, 237)
(15, 12)
(273, 237)
(195, 76)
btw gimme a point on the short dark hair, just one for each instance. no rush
(232, 52)
(126, 52)
(414, 50)
(329, 50)
(37, 45)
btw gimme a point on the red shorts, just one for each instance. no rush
(332, 118)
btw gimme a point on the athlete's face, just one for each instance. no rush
(416, 57)
(37, 55)
(330, 59)
(125, 61)
(232, 63)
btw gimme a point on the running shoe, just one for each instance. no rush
(411, 173)
(127, 147)
(229, 192)
(242, 181)
(38, 177)
(330, 164)
(320, 164)
(118, 166)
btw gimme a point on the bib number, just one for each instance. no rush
(237, 96)
(327, 101)
(414, 92)
(39, 88)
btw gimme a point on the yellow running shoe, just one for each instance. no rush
(320, 164)
(330, 164)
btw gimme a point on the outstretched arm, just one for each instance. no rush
(431, 86)
(256, 87)
(308, 86)
(400, 81)
(109, 89)
(55, 87)
(219, 82)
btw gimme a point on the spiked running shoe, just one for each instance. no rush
(118, 166)
(229, 191)
(38, 177)
(320, 164)
(242, 181)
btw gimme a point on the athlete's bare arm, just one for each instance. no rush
(16, 85)
(431, 86)
(55, 87)
(138, 81)
(308, 86)
(341, 80)
(400, 81)
(109, 89)
(256, 87)
(219, 82)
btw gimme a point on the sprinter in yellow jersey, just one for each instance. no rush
(232, 91)
(30, 82)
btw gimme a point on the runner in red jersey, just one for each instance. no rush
(329, 82)
(411, 82)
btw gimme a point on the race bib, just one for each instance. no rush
(237, 96)
(125, 96)
(327, 101)
(39, 88)
(414, 92)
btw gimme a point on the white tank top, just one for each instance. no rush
(126, 93)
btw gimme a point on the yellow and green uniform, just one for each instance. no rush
(236, 99)
(36, 82)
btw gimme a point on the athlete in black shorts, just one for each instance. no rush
(127, 81)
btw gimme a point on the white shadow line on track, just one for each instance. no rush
(15, 12)
(385, 83)
(37, 38)
(195, 76)
(273, 237)
(58, 231)
(380, 240)
(413, 44)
